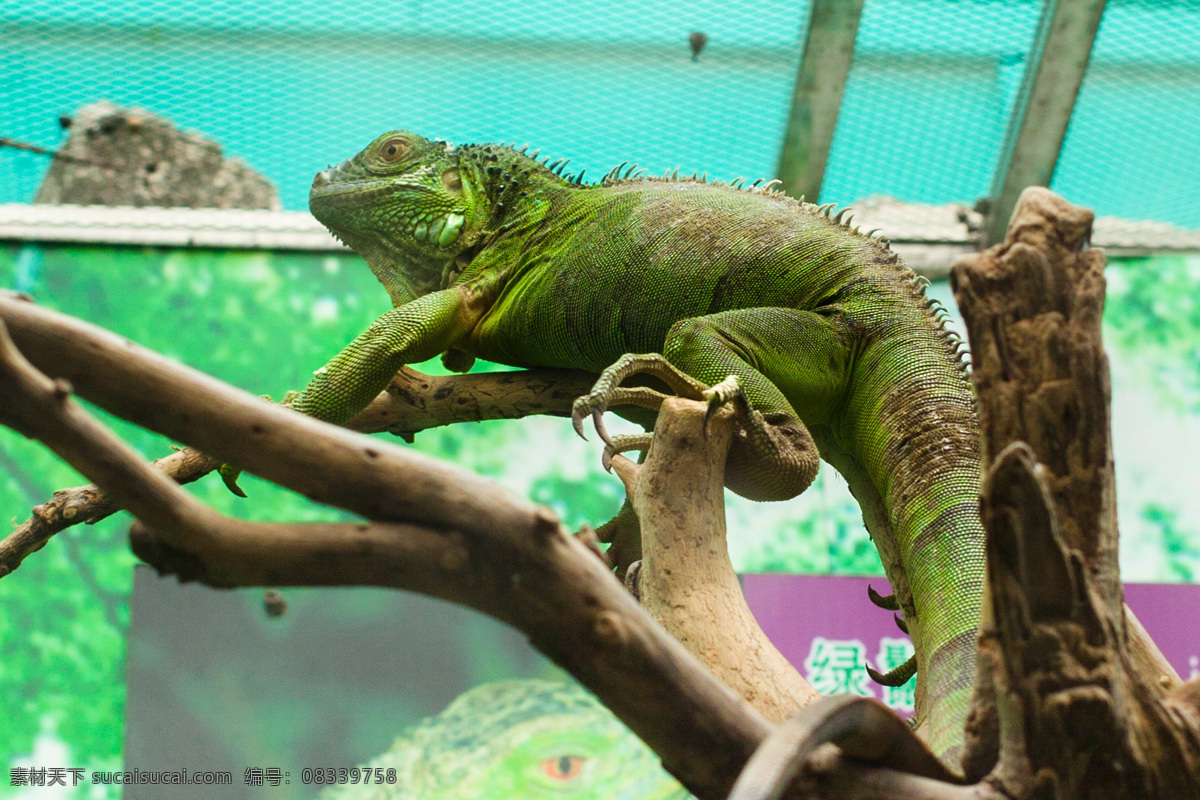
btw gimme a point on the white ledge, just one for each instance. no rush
(217, 228)
(929, 237)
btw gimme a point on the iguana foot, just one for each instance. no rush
(729, 392)
(623, 534)
(772, 456)
(608, 391)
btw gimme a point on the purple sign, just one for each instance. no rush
(1168, 612)
(829, 630)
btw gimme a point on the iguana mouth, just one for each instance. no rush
(365, 191)
(437, 227)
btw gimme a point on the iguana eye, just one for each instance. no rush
(393, 150)
(563, 768)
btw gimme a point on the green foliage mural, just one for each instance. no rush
(1154, 311)
(1152, 332)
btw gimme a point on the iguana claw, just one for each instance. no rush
(633, 579)
(577, 420)
(897, 677)
(580, 410)
(229, 476)
(887, 602)
(598, 421)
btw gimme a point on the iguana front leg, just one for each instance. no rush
(409, 334)
(414, 332)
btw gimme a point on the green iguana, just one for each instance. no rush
(524, 739)
(489, 252)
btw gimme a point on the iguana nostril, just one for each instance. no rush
(321, 179)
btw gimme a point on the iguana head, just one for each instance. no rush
(521, 740)
(403, 205)
(416, 209)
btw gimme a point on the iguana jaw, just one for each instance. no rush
(405, 212)
(408, 217)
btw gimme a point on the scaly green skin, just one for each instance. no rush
(487, 252)
(521, 740)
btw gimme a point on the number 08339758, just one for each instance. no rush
(332, 775)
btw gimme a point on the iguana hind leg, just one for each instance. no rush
(792, 365)
(771, 351)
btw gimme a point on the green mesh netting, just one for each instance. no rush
(291, 86)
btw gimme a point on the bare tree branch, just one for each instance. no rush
(862, 727)
(413, 402)
(416, 402)
(474, 544)
(439, 531)
(72, 506)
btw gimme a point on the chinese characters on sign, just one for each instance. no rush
(831, 632)
(839, 666)
(57, 776)
(44, 776)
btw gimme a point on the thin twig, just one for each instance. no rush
(55, 154)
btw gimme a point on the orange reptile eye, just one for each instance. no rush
(563, 768)
(394, 149)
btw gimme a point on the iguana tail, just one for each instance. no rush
(912, 441)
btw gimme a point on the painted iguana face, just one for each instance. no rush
(401, 203)
(520, 740)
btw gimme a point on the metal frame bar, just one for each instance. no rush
(820, 82)
(1042, 110)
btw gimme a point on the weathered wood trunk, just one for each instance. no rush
(1080, 702)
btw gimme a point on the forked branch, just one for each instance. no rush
(433, 529)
